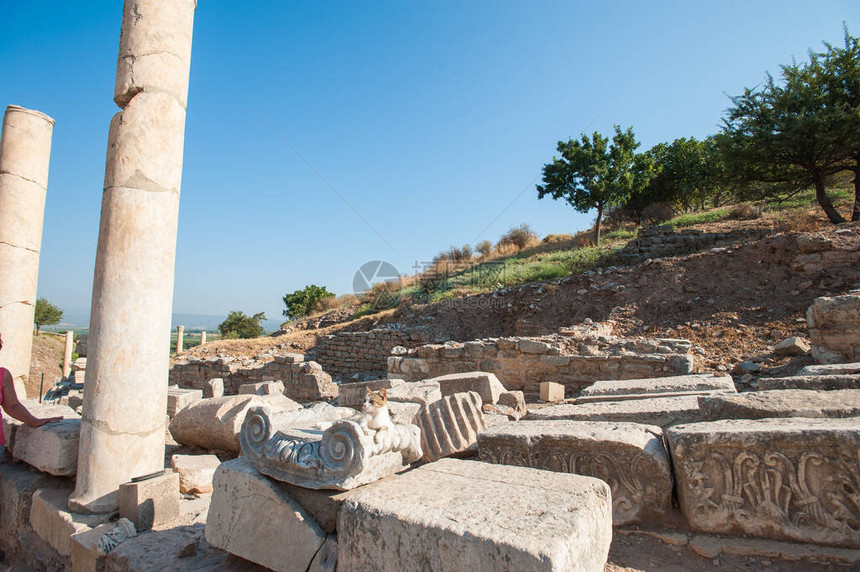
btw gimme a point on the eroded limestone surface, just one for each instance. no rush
(781, 403)
(793, 478)
(630, 457)
(468, 515)
(660, 411)
(687, 384)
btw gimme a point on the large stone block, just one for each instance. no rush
(52, 448)
(178, 399)
(781, 403)
(793, 479)
(215, 423)
(91, 548)
(487, 385)
(637, 388)
(10, 425)
(629, 457)
(254, 517)
(262, 388)
(18, 484)
(420, 392)
(660, 411)
(467, 515)
(150, 501)
(195, 472)
(831, 369)
(450, 425)
(823, 382)
(55, 524)
(834, 328)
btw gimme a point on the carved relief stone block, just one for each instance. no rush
(793, 479)
(450, 425)
(781, 403)
(629, 457)
(339, 455)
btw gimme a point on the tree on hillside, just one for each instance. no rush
(303, 302)
(46, 314)
(802, 130)
(596, 173)
(238, 325)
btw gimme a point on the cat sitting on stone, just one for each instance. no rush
(374, 413)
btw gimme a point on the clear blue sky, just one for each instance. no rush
(429, 118)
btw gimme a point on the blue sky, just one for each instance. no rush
(429, 118)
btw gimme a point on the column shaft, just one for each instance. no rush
(125, 394)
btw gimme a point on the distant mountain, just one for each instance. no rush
(78, 319)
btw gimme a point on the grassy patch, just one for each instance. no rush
(691, 219)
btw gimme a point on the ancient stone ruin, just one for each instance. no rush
(386, 452)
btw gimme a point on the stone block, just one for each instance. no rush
(18, 484)
(91, 548)
(55, 524)
(792, 347)
(11, 425)
(781, 403)
(450, 425)
(52, 448)
(213, 387)
(551, 391)
(262, 388)
(515, 400)
(286, 539)
(195, 472)
(831, 369)
(487, 385)
(403, 412)
(823, 382)
(178, 399)
(677, 384)
(151, 501)
(467, 515)
(629, 457)
(353, 394)
(788, 479)
(660, 411)
(834, 328)
(215, 423)
(420, 392)
(528, 346)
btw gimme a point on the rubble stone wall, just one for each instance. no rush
(346, 353)
(660, 241)
(300, 377)
(523, 363)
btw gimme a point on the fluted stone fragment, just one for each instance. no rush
(450, 425)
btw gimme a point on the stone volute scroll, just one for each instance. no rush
(320, 454)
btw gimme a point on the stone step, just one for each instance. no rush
(629, 457)
(788, 479)
(781, 403)
(831, 369)
(660, 411)
(676, 384)
(468, 515)
(825, 382)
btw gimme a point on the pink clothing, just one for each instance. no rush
(3, 371)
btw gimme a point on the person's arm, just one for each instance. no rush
(15, 408)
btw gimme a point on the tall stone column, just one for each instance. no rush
(202, 337)
(25, 152)
(67, 353)
(180, 334)
(125, 395)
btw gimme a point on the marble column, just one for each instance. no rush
(180, 334)
(202, 337)
(67, 353)
(25, 151)
(125, 395)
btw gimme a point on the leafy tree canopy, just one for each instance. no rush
(593, 173)
(238, 325)
(46, 314)
(303, 302)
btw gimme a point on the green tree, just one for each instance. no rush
(238, 325)
(802, 130)
(46, 314)
(303, 302)
(596, 173)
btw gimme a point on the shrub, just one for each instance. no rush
(657, 213)
(303, 302)
(745, 211)
(557, 238)
(485, 247)
(519, 236)
(238, 325)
